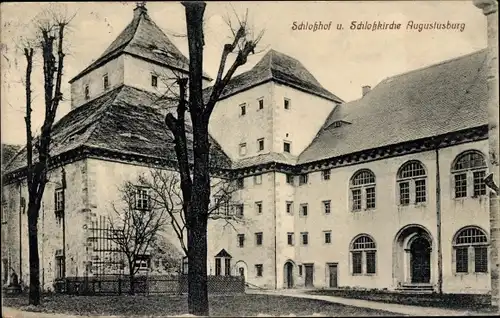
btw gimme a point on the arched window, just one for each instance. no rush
(469, 170)
(363, 190)
(363, 255)
(471, 250)
(412, 183)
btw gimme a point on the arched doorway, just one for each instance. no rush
(412, 257)
(241, 269)
(288, 272)
(420, 260)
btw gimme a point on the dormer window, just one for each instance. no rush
(337, 123)
(154, 80)
(87, 91)
(161, 51)
(105, 81)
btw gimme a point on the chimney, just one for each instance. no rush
(140, 9)
(365, 89)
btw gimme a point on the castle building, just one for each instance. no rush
(386, 191)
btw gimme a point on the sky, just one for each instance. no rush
(341, 60)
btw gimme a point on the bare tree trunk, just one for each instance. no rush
(34, 261)
(200, 196)
(131, 277)
(197, 273)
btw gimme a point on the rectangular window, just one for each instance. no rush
(481, 259)
(257, 179)
(370, 198)
(240, 183)
(241, 240)
(404, 193)
(462, 259)
(327, 206)
(59, 266)
(261, 103)
(260, 142)
(227, 266)
(59, 200)
(370, 262)
(218, 267)
(325, 174)
(303, 209)
(286, 103)
(356, 199)
(258, 270)
(87, 92)
(240, 210)
(289, 207)
(305, 238)
(479, 185)
(420, 191)
(289, 179)
(243, 149)
(154, 80)
(142, 201)
(258, 238)
(328, 237)
(243, 109)
(105, 81)
(286, 146)
(460, 185)
(300, 270)
(258, 207)
(356, 262)
(303, 178)
(289, 238)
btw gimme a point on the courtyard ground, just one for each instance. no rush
(139, 306)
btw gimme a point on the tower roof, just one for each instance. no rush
(122, 122)
(283, 69)
(143, 39)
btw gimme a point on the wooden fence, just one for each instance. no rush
(146, 285)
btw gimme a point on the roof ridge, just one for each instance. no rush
(453, 59)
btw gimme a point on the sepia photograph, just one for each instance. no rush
(249, 158)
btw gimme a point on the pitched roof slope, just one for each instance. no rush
(442, 98)
(142, 38)
(121, 121)
(280, 68)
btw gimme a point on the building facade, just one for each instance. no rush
(382, 192)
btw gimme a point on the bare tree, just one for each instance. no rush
(49, 39)
(165, 193)
(135, 225)
(195, 178)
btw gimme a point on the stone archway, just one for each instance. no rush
(412, 256)
(241, 269)
(288, 273)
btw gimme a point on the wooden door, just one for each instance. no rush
(332, 272)
(309, 275)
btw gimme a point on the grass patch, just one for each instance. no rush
(229, 306)
(445, 301)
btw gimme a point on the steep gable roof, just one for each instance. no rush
(435, 100)
(283, 69)
(122, 121)
(144, 39)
